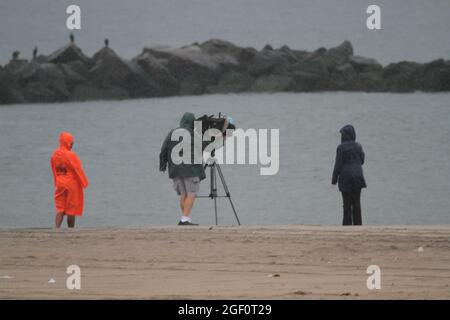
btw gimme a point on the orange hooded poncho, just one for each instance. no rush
(69, 177)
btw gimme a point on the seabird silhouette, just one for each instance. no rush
(15, 55)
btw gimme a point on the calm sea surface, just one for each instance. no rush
(405, 137)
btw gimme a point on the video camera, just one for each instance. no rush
(221, 123)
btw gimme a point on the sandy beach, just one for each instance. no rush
(282, 262)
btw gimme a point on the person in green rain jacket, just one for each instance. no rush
(186, 176)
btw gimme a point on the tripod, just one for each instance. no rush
(213, 168)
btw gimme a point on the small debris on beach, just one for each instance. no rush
(275, 275)
(300, 293)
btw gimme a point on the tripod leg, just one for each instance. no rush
(214, 191)
(215, 211)
(225, 187)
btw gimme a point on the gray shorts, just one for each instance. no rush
(186, 185)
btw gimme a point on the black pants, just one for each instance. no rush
(352, 208)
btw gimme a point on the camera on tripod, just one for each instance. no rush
(221, 123)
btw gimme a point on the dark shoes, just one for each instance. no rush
(187, 223)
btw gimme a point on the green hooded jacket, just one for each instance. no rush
(183, 169)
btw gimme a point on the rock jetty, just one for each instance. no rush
(214, 66)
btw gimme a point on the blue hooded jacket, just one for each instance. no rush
(348, 172)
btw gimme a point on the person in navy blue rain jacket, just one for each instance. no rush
(348, 173)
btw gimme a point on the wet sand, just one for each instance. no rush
(281, 262)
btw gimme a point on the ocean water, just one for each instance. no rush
(412, 29)
(405, 137)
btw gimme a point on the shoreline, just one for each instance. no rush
(204, 262)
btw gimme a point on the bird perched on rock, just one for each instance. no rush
(35, 51)
(72, 38)
(15, 55)
(106, 42)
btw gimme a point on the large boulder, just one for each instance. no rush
(362, 64)
(314, 66)
(158, 73)
(311, 63)
(53, 75)
(27, 71)
(71, 77)
(232, 81)
(434, 76)
(227, 56)
(307, 82)
(68, 54)
(443, 83)
(347, 78)
(110, 71)
(193, 68)
(15, 64)
(272, 83)
(268, 62)
(222, 50)
(247, 54)
(39, 59)
(79, 68)
(315, 54)
(324, 61)
(45, 83)
(338, 55)
(344, 77)
(9, 91)
(369, 82)
(401, 77)
(293, 56)
(191, 56)
(140, 84)
(85, 92)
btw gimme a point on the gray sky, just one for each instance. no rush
(412, 29)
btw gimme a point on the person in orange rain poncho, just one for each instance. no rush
(69, 179)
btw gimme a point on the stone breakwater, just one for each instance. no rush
(215, 66)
